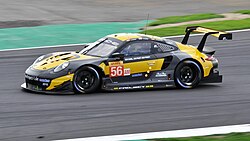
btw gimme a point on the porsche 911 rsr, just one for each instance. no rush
(127, 61)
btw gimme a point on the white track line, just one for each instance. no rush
(170, 134)
(54, 46)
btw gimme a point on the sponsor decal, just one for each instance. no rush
(45, 84)
(168, 85)
(127, 72)
(124, 88)
(117, 63)
(149, 86)
(134, 87)
(117, 69)
(161, 74)
(44, 80)
(137, 58)
(143, 57)
(137, 75)
(128, 59)
(37, 79)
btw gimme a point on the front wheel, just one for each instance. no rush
(86, 80)
(187, 74)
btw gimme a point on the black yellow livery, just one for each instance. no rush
(127, 61)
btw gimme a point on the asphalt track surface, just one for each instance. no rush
(39, 12)
(29, 116)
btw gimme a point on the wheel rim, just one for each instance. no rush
(84, 80)
(187, 75)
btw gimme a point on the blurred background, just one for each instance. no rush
(40, 12)
(57, 22)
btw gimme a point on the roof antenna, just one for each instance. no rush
(146, 28)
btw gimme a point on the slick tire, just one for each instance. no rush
(86, 80)
(187, 74)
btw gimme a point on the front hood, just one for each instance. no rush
(58, 58)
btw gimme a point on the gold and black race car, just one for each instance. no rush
(127, 61)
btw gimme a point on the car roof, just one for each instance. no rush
(124, 37)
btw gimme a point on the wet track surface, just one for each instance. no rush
(27, 116)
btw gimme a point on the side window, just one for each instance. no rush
(161, 47)
(138, 48)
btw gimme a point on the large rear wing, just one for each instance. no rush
(219, 34)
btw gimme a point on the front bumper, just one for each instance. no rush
(24, 87)
(58, 85)
(29, 88)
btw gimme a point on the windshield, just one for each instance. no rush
(100, 48)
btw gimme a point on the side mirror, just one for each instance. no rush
(118, 55)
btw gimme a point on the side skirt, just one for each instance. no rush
(108, 85)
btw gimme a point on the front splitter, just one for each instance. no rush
(24, 87)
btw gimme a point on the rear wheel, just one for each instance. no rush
(86, 80)
(187, 74)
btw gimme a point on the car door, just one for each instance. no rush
(137, 65)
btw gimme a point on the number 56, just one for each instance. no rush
(116, 71)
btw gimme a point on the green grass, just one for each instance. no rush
(227, 137)
(179, 19)
(243, 11)
(219, 25)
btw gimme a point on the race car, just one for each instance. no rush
(127, 61)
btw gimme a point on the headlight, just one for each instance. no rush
(38, 59)
(61, 67)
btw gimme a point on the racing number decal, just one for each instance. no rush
(116, 69)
